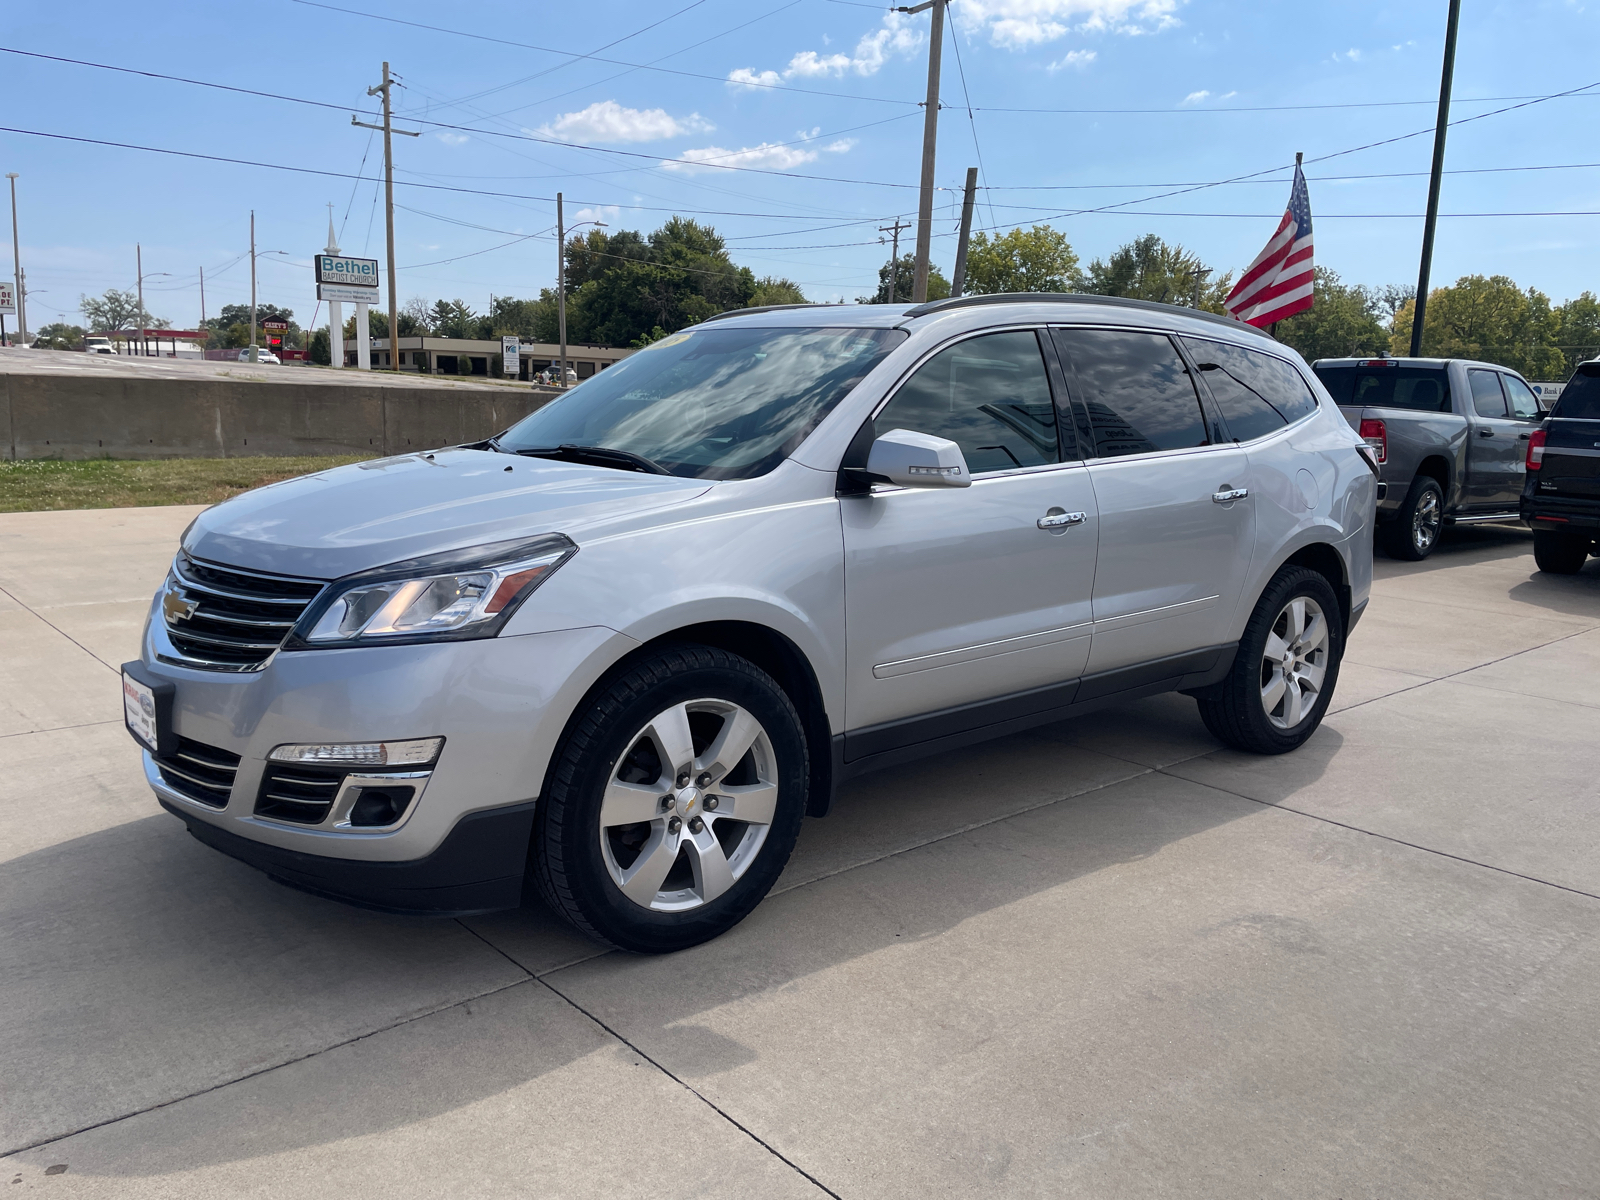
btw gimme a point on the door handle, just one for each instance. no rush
(1521, 437)
(1229, 495)
(1485, 433)
(1058, 518)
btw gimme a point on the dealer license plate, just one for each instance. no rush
(139, 710)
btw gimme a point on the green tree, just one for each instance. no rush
(1147, 268)
(621, 286)
(59, 336)
(1488, 317)
(321, 349)
(378, 326)
(118, 310)
(421, 314)
(1023, 260)
(1343, 321)
(231, 327)
(449, 318)
(772, 290)
(1579, 328)
(902, 275)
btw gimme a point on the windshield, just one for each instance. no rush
(1422, 389)
(711, 403)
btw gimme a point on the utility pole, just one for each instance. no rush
(383, 90)
(138, 265)
(561, 284)
(1448, 74)
(202, 297)
(958, 281)
(894, 260)
(16, 261)
(255, 353)
(930, 133)
(1199, 282)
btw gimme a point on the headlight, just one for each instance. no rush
(442, 597)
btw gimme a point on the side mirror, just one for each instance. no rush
(918, 460)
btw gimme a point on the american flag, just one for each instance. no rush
(1278, 283)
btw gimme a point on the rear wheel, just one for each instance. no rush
(1284, 674)
(673, 802)
(1414, 531)
(1560, 552)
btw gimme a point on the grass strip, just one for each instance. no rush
(39, 485)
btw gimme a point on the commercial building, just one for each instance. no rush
(482, 356)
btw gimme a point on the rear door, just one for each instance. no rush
(1494, 452)
(1571, 469)
(1176, 519)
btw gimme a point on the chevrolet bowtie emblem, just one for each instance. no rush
(176, 607)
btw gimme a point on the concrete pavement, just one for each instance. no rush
(1106, 959)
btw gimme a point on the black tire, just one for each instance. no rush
(1413, 532)
(567, 863)
(1560, 552)
(1233, 710)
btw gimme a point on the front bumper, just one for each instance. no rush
(499, 703)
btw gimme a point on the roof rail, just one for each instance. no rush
(745, 312)
(936, 306)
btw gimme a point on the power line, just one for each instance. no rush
(483, 37)
(971, 120)
(1255, 108)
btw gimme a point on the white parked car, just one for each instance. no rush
(262, 356)
(98, 345)
(625, 646)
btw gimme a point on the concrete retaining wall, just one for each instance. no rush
(59, 415)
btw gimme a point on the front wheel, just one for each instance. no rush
(1559, 552)
(1284, 673)
(673, 802)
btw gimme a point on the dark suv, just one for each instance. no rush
(1561, 498)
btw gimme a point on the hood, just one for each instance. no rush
(369, 514)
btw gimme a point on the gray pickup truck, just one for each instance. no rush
(1451, 437)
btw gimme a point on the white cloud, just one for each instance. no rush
(1230, 96)
(896, 36)
(1073, 58)
(452, 139)
(1195, 97)
(769, 155)
(608, 121)
(1016, 24)
(601, 212)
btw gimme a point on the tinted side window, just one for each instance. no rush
(1487, 401)
(1580, 399)
(1524, 403)
(989, 395)
(1256, 392)
(1137, 390)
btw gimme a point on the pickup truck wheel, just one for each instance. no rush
(673, 802)
(1560, 552)
(1284, 673)
(1414, 531)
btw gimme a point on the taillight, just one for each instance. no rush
(1536, 450)
(1374, 434)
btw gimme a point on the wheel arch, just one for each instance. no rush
(1324, 558)
(774, 653)
(1437, 468)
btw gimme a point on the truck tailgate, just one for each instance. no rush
(1571, 467)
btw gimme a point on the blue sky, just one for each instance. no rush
(825, 91)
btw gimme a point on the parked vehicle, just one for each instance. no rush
(628, 643)
(1451, 437)
(262, 356)
(1561, 498)
(98, 345)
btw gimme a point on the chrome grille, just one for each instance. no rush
(227, 619)
(202, 773)
(300, 794)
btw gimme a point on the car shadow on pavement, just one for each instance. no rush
(1460, 545)
(155, 969)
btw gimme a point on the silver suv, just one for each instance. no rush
(623, 648)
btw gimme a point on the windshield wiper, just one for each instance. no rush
(600, 456)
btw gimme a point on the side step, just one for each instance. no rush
(1514, 518)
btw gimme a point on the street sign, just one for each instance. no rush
(341, 291)
(274, 324)
(348, 272)
(510, 351)
(8, 299)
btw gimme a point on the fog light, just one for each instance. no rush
(380, 805)
(417, 752)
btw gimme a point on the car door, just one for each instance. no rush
(1495, 456)
(1176, 518)
(1526, 415)
(957, 595)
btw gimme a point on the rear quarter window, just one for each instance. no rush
(1257, 393)
(1580, 399)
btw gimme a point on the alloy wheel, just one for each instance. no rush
(1425, 521)
(1294, 662)
(689, 805)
